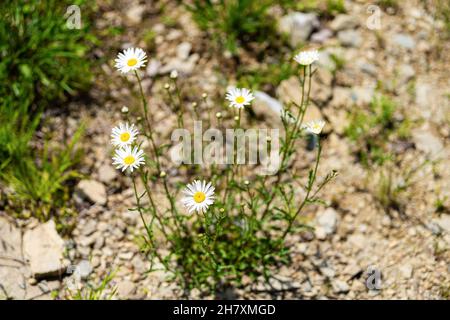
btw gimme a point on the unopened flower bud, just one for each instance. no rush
(162, 174)
(218, 115)
(167, 86)
(124, 109)
(174, 74)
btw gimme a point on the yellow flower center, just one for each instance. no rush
(124, 137)
(129, 160)
(199, 197)
(132, 62)
(240, 99)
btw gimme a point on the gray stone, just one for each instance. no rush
(126, 255)
(369, 68)
(106, 173)
(343, 22)
(183, 50)
(134, 13)
(340, 286)
(406, 73)
(44, 249)
(321, 36)
(84, 269)
(126, 288)
(427, 142)
(182, 66)
(328, 272)
(406, 271)
(277, 283)
(93, 191)
(298, 26)
(350, 38)
(362, 96)
(423, 93)
(443, 222)
(403, 40)
(89, 227)
(153, 67)
(326, 223)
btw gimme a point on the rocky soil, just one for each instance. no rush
(354, 239)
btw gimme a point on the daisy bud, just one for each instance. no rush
(222, 210)
(246, 182)
(268, 138)
(124, 109)
(236, 118)
(204, 95)
(194, 105)
(218, 115)
(162, 174)
(167, 86)
(174, 74)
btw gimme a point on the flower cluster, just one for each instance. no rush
(198, 195)
(126, 155)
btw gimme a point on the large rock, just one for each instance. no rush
(298, 26)
(12, 265)
(427, 142)
(268, 108)
(350, 38)
(107, 173)
(44, 249)
(443, 222)
(93, 191)
(343, 22)
(290, 90)
(135, 13)
(403, 40)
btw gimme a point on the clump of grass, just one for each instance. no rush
(41, 58)
(392, 184)
(41, 186)
(105, 290)
(234, 23)
(43, 64)
(371, 130)
(440, 204)
(268, 75)
(335, 6)
(327, 8)
(388, 3)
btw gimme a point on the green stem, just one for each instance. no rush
(309, 188)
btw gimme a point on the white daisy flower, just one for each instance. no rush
(131, 59)
(314, 127)
(128, 157)
(123, 135)
(239, 97)
(306, 58)
(199, 195)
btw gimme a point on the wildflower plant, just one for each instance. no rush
(230, 222)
